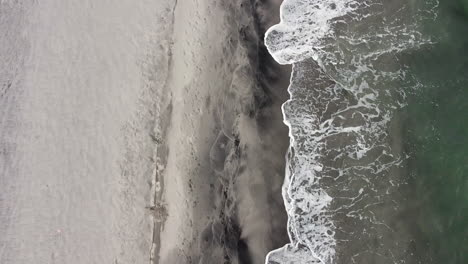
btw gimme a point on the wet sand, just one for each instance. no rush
(222, 155)
(146, 132)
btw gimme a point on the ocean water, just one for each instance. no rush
(377, 116)
(435, 138)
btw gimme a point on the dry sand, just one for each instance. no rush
(79, 82)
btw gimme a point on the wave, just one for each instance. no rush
(343, 179)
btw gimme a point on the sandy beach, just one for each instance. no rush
(146, 132)
(163, 132)
(76, 126)
(225, 142)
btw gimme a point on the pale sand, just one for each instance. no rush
(225, 142)
(79, 83)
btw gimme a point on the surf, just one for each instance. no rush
(346, 163)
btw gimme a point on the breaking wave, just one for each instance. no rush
(343, 188)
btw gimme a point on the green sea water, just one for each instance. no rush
(436, 138)
(381, 112)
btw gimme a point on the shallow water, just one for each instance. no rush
(377, 121)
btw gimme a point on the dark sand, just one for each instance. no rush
(223, 153)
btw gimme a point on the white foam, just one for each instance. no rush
(354, 58)
(304, 25)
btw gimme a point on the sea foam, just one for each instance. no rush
(348, 81)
